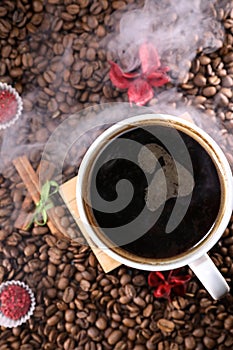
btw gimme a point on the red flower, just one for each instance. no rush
(15, 302)
(174, 281)
(139, 84)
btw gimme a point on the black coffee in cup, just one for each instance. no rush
(154, 192)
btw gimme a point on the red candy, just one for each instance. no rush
(15, 302)
(8, 106)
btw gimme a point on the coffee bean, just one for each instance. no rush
(100, 31)
(101, 323)
(165, 325)
(92, 22)
(228, 323)
(72, 9)
(204, 60)
(221, 99)
(26, 347)
(214, 80)
(227, 81)
(93, 333)
(209, 91)
(124, 299)
(228, 58)
(16, 72)
(139, 301)
(118, 4)
(178, 314)
(49, 76)
(42, 135)
(85, 285)
(114, 337)
(3, 11)
(3, 235)
(87, 72)
(51, 310)
(90, 54)
(69, 58)
(6, 50)
(63, 283)
(37, 5)
(190, 343)
(27, 60)
(55, 252)
(68, 295)
(69, 316)
(140, 347)
(209, 343)
(40, 230)
(226, 91)
(199, 332)
(52, 105)
(199, 80)
(5, 28)
(139, 280)
(148, 310)
(30, 250)
(130, 291)
(69, 344)
(51, 270)
(52, 321)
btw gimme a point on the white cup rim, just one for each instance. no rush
(186, 258)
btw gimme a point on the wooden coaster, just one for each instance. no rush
(68, 193)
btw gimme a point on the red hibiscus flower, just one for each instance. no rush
(140, 84)
(174, 282)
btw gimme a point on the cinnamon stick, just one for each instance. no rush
(29, 177)
(31, 181)
(24, 218)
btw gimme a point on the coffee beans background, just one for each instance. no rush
(51, 52)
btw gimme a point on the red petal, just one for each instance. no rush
(140, 92)
(132, 75)
(158, 79)
(149, 58)
(155, 279)
(179, 279)
(163, 291)
(117, 76)
(174, 273)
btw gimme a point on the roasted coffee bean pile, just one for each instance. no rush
(51, 52)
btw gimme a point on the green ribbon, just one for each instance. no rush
(40, 215)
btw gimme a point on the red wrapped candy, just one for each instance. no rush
(17, 303)
(10, 105)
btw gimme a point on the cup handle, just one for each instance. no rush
(210, 277)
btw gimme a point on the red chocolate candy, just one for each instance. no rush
(15, 302)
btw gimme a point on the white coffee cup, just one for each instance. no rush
(197, 257)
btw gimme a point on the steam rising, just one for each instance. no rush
(176, 28)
